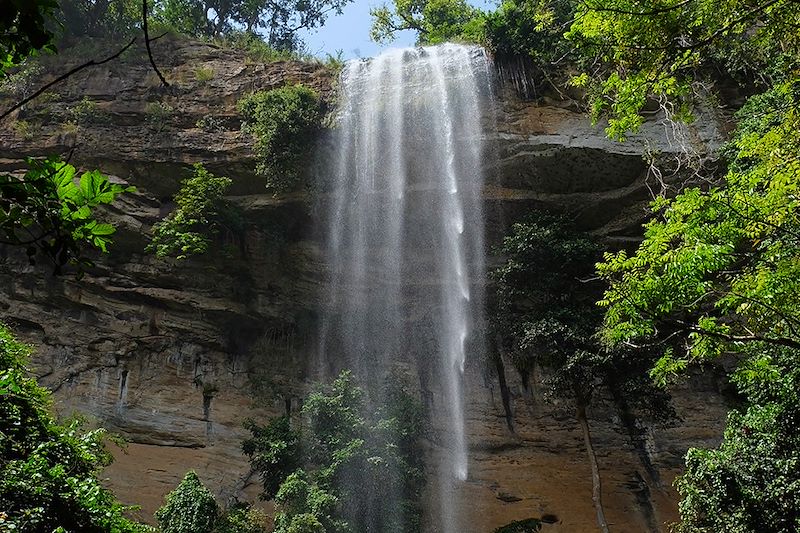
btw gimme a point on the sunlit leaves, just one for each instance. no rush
(52, 212)
(48, 471)
(200, 214)
(646, 50)
(283, 122)
(721, 264)
(752, 481)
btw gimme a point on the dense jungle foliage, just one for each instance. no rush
(714, 279)
(48, 470)
(345, 465)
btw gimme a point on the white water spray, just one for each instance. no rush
(403, 227)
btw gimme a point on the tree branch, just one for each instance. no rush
(90, 63)
(147, 44)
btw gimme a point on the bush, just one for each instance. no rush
(284, 123)
(158, 114)
(203, 74)
(190, 508)
(84, 112)
(201, 212)
(48, 471)
(352, 467)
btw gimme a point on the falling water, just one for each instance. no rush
(403, 227)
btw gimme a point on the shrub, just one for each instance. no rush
(48, 471)
(284, 123)
(203, 74)
(157, 114)
(334, 475)
(190, 508)
(84, 112)
(210, 124)
(201, 211)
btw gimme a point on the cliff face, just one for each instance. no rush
(174, 357)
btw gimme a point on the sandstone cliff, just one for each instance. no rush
(175, 357)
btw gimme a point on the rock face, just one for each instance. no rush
(175, 357)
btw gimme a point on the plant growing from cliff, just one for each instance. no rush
(334, 471)
(201, 212)
(158, 114)
(546, 315)
(48, 471)
(284, 123)
(50, 211)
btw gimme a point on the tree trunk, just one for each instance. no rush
(597, 491)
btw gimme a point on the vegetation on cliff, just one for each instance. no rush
(546, 316)
(284, 123)
(340, 467)
(201, 212)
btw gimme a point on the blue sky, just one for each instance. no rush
(349, 32)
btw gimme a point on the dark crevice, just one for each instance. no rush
(500, 368)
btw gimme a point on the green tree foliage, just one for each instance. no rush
(242, 518)
(306, 507)
(434, 21)
(347, 466)
(190, 508)
(718, 268)
(752, 481)
(645, 49)
(100, 18)
(546, 315)
(50, 211)
(48, 471)
(720, 265)
(279, 21)
(284, 123)
(526, 28)
(201, 211)
(274, 452)
(24, 30)
(542, 315)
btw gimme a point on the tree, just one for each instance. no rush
(48, 471)
(190, 508)
(200, 214)
(343, 469)
(51, 214)
(717, 272)
(752, 481)
(280, 20)
(546, 315)
(672, 50)
(274, 452)
(100, 18)
(24, 30)
(719, 268)
(434, 21)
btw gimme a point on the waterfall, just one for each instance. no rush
(402, 223)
